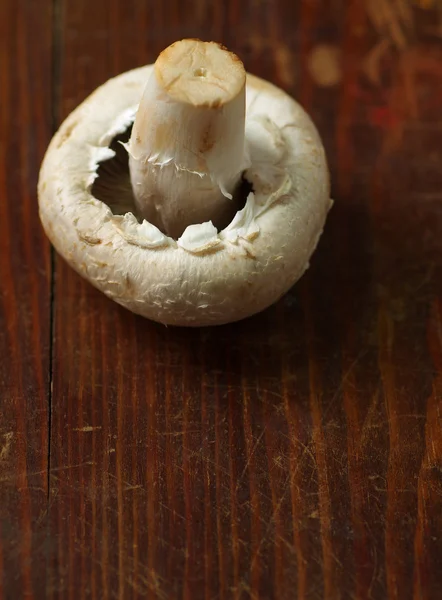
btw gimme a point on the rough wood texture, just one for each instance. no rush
(296, 455)
(25, 127)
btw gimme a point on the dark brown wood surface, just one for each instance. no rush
(25, 297)
(295, 455)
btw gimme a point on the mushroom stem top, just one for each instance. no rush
(187, 145)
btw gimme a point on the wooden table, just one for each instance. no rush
(295, 455)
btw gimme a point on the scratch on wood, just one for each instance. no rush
(270, 524)
(128, 486)
(85, 464)
(246, 466)
(87, 428)
(370, 419)
(7, 445)
(17, 476)
(344, 378)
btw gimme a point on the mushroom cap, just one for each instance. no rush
(206, 277)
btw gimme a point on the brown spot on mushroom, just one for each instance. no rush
(252, 236)
(89, 239)
(234, 57)
(216, 103)
(66, 132)
(249, 253)
(222, 47)
(130, 289)
(207, 142)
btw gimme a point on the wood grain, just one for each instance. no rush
(25, 125)
(295, 455)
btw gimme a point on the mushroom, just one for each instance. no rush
(196, 201)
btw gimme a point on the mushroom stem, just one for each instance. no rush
(186, 152)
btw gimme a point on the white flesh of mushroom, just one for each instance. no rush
(208, 275)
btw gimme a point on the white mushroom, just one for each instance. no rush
(165, 232)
